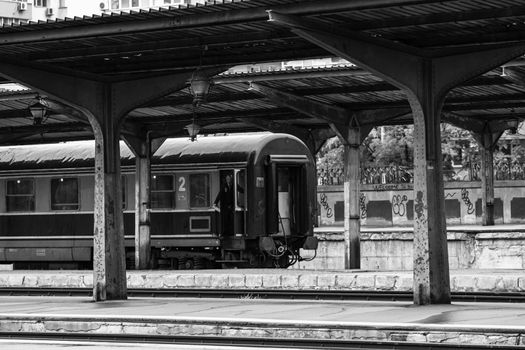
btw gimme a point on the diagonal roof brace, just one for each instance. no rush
(329, 113)
(314, 109)
(298, 23)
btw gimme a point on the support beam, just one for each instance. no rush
(352, 136)
(143, 149)
(425, 76)
(330, 113)
(487, 140)
(142, 204)
(487, 181)
(337, 117)
(109, 259)
(105, 104)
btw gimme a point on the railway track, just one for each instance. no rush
(248, 342)
(268, 294)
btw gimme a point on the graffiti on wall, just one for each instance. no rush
(326, 206)
(465, 198)
(399, 203)
(388, 187)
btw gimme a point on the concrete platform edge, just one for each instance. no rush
(461, 281)
(184, 326)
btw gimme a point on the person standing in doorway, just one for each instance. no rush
(225, 201)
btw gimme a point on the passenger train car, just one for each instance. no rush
(47, 195)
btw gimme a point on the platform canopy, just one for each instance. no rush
(213, 38)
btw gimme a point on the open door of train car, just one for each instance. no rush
(286, 194)
(236, 224)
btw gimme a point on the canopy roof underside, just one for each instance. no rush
(231, 33)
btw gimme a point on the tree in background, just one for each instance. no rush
(392, 146)
(387, 146)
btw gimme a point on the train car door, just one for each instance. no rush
(240, 202)
(286, 196)
(225, 200)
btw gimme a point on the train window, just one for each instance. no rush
(199, 190)
(241, 185)
(64, 194)
(162, 191)
(20, 195)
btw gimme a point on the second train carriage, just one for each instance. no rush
(46, 202)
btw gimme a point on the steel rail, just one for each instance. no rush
(302, 343)
(508, 297)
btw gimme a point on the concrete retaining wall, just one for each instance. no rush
(386, 250)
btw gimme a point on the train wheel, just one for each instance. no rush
(189, 264)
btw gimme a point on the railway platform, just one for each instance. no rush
(480, 324)
(251, 316)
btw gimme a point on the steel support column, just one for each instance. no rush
(352, 137)
(352, 192)
(109, 259)
(142, 209)
(487, 140)
(487, 186)
(143, 149)
(425, 76)
(431, 271)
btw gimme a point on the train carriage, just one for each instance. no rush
(46, 215)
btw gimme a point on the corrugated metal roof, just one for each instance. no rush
(78, 154)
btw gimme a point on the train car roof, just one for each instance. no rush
(79, 154)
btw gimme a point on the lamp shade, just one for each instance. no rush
(199, 87)
(38, 111)
(193, 130)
